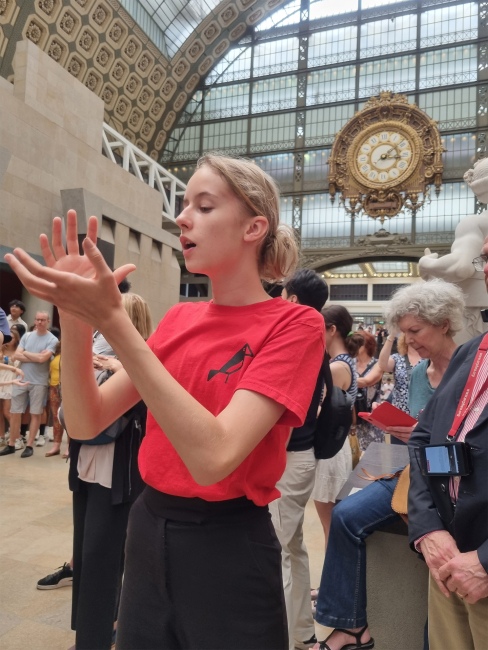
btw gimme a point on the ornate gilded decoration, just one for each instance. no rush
(385, 158)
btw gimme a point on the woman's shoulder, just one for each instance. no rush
(420, 369)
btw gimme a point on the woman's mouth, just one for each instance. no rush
(186, 244)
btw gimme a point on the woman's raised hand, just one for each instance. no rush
(80, 285)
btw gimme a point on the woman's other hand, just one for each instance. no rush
(82, 286)
(101, 362)
(18, 382)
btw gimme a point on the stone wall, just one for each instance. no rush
(51, 159)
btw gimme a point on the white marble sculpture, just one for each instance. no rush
(457, 266)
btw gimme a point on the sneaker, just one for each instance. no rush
(63, 577)
(23, 438)
(305, 645)
(19, 443)
(37, 436)
(3, 442)
(27, 453)
(7, 450)
(41, 442)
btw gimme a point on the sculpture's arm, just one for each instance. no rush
(457, 265)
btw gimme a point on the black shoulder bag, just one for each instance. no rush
(335, 418)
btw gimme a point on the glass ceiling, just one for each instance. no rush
(178, 18)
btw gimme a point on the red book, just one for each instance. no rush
(387, 415)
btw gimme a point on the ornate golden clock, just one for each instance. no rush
(385, 157)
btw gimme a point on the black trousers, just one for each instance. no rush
(201, 576)
(98, 564)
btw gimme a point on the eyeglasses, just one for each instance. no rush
(480, 262)
(40, 320)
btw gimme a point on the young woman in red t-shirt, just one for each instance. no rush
(223, 381)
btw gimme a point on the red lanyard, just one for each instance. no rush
(468, 396)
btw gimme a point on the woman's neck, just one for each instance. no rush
(363, 358)
(440, 360)
(335, 347)
(238, 287)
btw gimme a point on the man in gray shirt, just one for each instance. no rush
(35, 352)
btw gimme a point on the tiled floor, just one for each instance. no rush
(36, 537)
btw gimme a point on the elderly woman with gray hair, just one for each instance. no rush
(429, 314)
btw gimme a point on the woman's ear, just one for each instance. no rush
(331, 330)
(256, 229)
(445, 326)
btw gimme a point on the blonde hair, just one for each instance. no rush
(402, 345)
(278, 253)
(139, 313)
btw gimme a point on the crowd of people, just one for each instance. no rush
(186, 443)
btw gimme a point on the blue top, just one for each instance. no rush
(353, 388)
(4, 327)
(420, 390)
(37, 373)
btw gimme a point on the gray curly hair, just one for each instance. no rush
(435, 302)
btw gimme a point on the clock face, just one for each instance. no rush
(384, 157)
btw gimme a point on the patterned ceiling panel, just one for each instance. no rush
(102, 46)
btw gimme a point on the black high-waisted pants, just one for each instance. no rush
(201, 576)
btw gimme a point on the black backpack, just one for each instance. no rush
(335, 419)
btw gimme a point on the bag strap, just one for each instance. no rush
(370, 477)
(370, 364)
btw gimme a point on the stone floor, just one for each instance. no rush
(36, 537)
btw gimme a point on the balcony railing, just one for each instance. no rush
(122, 152)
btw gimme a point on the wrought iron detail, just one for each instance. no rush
(233, 75)
(391, 48)
(340, 96)
(461, 123)
(398, 87)
(326, 242)
(453, 37)
(274, 106)
(301, 86)
(298, 173)
(297, 215)
(479, 207)
(277, 68)
(481, 146)
(315, 61)
(483, 57)
(448, 79)
(272, 146)
(303, 49)
(483, 14)
(226, 112)
(314, 142)
(482, 100)
(300, 124)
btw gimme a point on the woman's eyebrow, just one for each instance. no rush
(199, 195)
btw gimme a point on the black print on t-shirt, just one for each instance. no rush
(234, 364)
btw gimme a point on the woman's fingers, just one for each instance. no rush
(57, 238)
(96, 258)
(72, 233)
(46, 251)
(37, 286)
(92, 229)
(36, 269)
(123, 271)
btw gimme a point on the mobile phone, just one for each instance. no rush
(449, 459)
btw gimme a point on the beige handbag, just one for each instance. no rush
(399, 500)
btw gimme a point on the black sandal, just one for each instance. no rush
(350, 646)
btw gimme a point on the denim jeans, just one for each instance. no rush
(342, 595)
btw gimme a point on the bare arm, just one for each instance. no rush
(385, 362)
(373, 377)
(84, 289)
(37, 357)
(341, 374)
(19, 355)
(17, 371)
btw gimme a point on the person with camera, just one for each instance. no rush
(448, 497)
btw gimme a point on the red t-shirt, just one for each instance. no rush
(273, 347)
